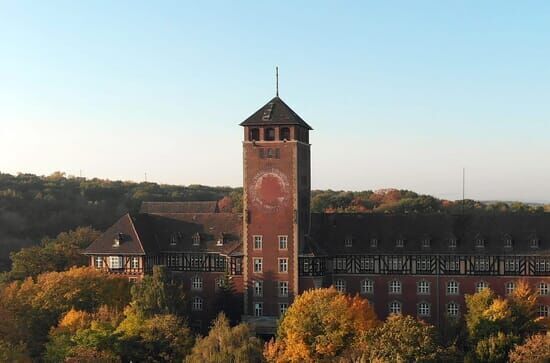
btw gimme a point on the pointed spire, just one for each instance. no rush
(277, 81)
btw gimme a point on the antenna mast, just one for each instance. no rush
(277, 81)
(463, 188)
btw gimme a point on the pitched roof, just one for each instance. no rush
(329, 232)
(179, 207)
(125, 230)
(275, 112)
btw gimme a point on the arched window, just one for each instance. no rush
(269, 134)
(367, 286)
(197, 304)
(510, 287)
(340, 285)
(452, 309)
(284, 133)
(254, 135)
(482, 285)
(395, 287)
(395, 307)
(452, 288)
(196, 283)
(424, 309)
(543, 311)
(423, 287)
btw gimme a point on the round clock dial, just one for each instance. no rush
(270, 189)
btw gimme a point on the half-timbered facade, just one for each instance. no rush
(414, 264)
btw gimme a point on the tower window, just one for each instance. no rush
(283, 288)
(258, 288)
(284, 133)
(258, 264)
(283, 242)
(254, 135)
(258, 242)
(258, 309)
(283, 265)
(269, 134)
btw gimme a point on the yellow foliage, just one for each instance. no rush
(74, 320)
(498, 310)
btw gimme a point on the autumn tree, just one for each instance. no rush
(226, 344)
(320, 325)
(536, 349)
(400, 339)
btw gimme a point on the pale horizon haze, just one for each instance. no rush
(400, 94)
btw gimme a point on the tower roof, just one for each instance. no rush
(275, 112)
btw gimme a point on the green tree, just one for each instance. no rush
(226, 344)
(227, 300)
(401, 339)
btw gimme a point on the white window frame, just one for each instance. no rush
(400, 243)
(426, 243)
(258, 263)
(197, 304)
(348, 242)
(423, 287)
(367, 286)
(98, 261)
(258, 309)
(373, 242)
(395, 287)
(453, 288)
(197, 283)
(509, 287)
(452, 243)
(258, 242)
(258, 288)
(424, 309)
(543, 311)
(340, 285)
(543, 289)
(453, 309)
(283, 307)
(481, 285)
(283, 288)
(283, 265)
(119, 262)
(134, 262)
(395, 307)
(283, 242)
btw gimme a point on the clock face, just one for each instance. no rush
(270, 189)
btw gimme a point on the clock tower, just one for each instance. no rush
(276, 203)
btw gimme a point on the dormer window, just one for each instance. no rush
(119, 237)
(534, 242)
(374, 242)
(479, 242)
(426, 242)
(400, 242)
(452, 243)
(196, 239)
(173, 239)
(508, 242)
(222, 240)
(348, 242)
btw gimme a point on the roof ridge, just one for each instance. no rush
(135, 231)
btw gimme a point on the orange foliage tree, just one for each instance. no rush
(321, 325)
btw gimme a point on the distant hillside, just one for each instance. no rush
(33, 207)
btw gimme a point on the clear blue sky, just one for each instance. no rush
(400, 93)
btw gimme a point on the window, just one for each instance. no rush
(479, 242)
(508, 242)
(423, 309)
(534, 242)
(258, 242)
(283, 307)
(510, 287)
(399, 242)
(258, 288)
(482, 264)
(269, 134)
(452, 243)
(340, 285)
(196, 239)
(511, 265)
(348, 242)
(284, 133)
(452, 309)
(543, 311)
(395, 287)
(366, 264)
(132, 279)
(115, 262)
(367, 287)
(452, 264)
(452, 288)
(395, 307)
(374, 242)
(423, 287)
(98, 261)
(283, 265)
(283, 288)
(220, 282)
(119, 237)
(134, 262)
(543, 289)
(258, 309)
(257, 264)
(542, 264)
(196, 283)
(254, 135)
(426, 243)
(340, 263)
(395, 263)
(482, 285)
(283, 242)
(424, 264)
(197, 304)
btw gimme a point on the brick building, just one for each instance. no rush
(420, 265)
